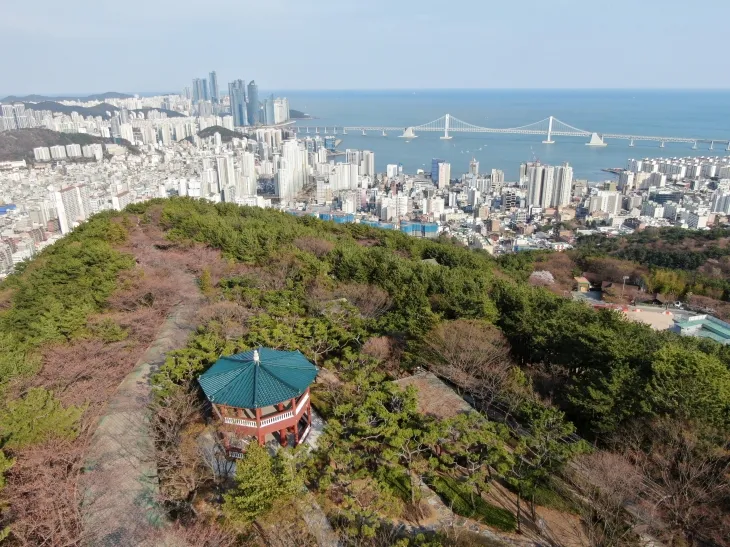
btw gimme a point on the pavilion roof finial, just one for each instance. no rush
(256, 357)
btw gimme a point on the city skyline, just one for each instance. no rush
(394, 46)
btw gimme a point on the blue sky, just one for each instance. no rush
(160, 45)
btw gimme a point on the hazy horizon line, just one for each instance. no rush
(394, 89)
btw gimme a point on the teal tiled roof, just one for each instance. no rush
(242, 381)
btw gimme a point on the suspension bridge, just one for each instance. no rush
(549, 127)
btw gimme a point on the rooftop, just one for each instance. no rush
(705, 326)
(257, 378)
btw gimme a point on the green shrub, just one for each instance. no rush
(397, 480)
(37, 417)
(458, 497)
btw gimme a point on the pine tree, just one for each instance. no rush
(37, 417)
(257, 486)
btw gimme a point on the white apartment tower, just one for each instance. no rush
(72, 206)
(563, 186)
(444, 174)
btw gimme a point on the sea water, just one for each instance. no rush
(691, 114)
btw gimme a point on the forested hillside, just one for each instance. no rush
(18, 144)
(365, 306)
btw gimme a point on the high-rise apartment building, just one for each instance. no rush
(8, 117)
(42, 153)
(497, 177)
(73, 150)
(237, 96)
(444, 174)
(58, 152)
(268, 111)
(225, 171)
(610, 202)
(200, 90)
(367, 164)
(281, 110)
(547, 186)
(22, 120)
(213, 83)
(72, 206)
(563, 186)
(253, 103)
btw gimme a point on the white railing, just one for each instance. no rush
(239, 421)
(301, 403)
(304, 435)
(277, 418)
(237, 455)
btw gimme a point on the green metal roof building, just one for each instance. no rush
(260, 392)
(704, 326)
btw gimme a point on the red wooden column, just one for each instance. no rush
(282, 432)
(259, 438)
(296, 420)
(309, 412)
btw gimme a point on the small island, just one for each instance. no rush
(299, 115)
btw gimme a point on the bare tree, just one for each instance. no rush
(213, 454)
(473, 355)
(180, 463)
(693, 476)
(541, 278)
(318, 247)
(609, 483)
(42, 495)
(198, 533)
(690, 477)
(370, 300)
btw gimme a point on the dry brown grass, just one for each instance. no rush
(43, 493)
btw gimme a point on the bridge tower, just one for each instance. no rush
(596, 140)
(728, 146)
(549, 139)
(631, 142)
(408, 133)
(694, 146)
(363, 132)
(661, 145)
(344, 131)
(446, 127)
(712, 145)
(384, 133)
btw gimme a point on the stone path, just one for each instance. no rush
(120, 483)
(317, 522)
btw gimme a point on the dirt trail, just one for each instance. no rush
(120, 485)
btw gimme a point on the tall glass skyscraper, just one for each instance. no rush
(253, 103)
(268, 111)
(204, 85)
(435, 169)
(196, 90)
(200, 90)
(213, 81)
(237, 95)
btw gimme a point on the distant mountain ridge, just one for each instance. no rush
(100, 109)
(41, 98)
(18, 144)
(226, 134)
